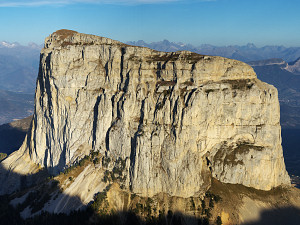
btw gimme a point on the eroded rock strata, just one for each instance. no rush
(174, 119)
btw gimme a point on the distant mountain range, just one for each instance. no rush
(18, 72)
(293, 67)
(18, 66)
(245, 53)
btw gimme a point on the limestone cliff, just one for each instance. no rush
(174, 119)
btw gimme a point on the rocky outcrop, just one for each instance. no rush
(294, 67)
(175, 119)
(268, 62)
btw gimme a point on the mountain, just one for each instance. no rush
(138, 136)
(18, 66)
(18, 72)
(15, 105)
(269, 62)
(294, 67)
(245, 53)
(5, 44)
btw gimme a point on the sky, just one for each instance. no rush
(216, 22)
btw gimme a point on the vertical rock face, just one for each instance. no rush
(175, 118)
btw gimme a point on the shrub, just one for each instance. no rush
(219, 221)
(2, 156)
(207, 213)
(211, 203)
(132, 196)
(94, 154)
(148, 207)
(100, 203)
(105, 161)
(193, 207)
(96, 161)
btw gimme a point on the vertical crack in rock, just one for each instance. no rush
(112, 123)
(62, 160)
(95, 121)
(107, 139)
(134, 144)
(174, 117)
(106, 70)
(46, 157)
(158, 71)
(123, 52)
(190, 94)
(174, 72)
(121, 102)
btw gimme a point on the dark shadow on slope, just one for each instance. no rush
(11, 181)
(291, 151)
(279, 216)
(34, 202)
(37, 190)
(13, 134)
(141, 214)
(38, 196)
(11, 138)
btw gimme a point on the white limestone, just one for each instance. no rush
(176, 118)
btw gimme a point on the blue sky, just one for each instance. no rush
(217, 22)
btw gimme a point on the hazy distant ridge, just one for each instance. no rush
(245, 53)
(18, 66)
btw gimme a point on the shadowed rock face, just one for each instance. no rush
(176, 119)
